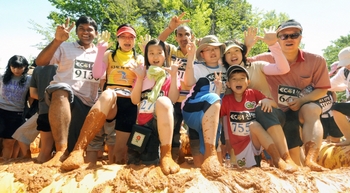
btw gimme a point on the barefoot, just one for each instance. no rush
(315, 167)
(56, 160)
(211, 167)
(74, 161)
(287, 167)
(168, 166)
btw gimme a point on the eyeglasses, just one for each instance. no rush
(127, 37)
(292, 36)
(211, 49)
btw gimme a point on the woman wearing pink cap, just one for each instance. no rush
(113, 67)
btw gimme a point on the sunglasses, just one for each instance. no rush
(292, 36)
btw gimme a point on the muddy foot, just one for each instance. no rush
(74, 161)
(56, 160)
(287, 167)
(211, 167)
(315, 167)
(168, 166)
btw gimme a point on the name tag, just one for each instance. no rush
(83, 71)
(146, 106)
(286, 93)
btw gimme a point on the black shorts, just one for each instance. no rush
(330, 128)
(9, 122)
(177, 124)
(126, 115)
(343, 108)
(43, 123)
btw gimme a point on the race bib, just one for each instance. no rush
(286, 93)
(240, 122)
(83, 71)
(146, 106)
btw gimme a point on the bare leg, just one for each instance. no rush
(25, 150)
(92, 125)
(344, 126)
(91, 157)
(7, 145)
(262, 138)
(165, 124)
(309, 114)
(59, 118)
(120, 148)
(15, 150)
(47, 141)
(211, 165)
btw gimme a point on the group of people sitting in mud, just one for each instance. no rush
(280, 103)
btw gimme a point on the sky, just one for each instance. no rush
(323, 21)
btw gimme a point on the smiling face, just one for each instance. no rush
(126, 41)
(211, 55)
(86, 34)
(156, 55)
(233, 56)
(238, 82)
(183, 35)
(289, 45)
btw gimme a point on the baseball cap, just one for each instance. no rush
(236, 68)
(126, 29)
(289, 24)
(231, 44)
(344, 57)
(209, 40)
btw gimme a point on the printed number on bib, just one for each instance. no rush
(146, 106)
(83, 71)
(241, 129)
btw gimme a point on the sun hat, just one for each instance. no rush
(209, 40)
(344, 57)
(333, 68)
(231, 44)
(289, 24)
(126, 29)
(235, 68)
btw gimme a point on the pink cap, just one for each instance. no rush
(126, 29)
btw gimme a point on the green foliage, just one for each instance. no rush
(331, 52)
(225, 18)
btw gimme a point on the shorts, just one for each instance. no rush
(105, 136)
(291, 129)
(79, 111)
(276, 117)
(246, 158)
(9, 122)
(59, 86)
(177, 124)
(330, 128)
(27, 132)
(126, 115)
(343, 108)
(193, 112)
(43, 123)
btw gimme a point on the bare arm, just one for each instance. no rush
(61, 35)
(189, 78)
(33, 93)
(173, 24)
(140, 72)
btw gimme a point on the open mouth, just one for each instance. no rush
(238, 87)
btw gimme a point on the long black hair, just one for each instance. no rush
(16, 61)
(155, 42)
(243, 51)
(114, 52)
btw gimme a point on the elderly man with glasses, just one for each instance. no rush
(299, 94)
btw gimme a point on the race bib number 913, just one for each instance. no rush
(83, 71)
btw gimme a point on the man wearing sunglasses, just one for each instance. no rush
(298, 93)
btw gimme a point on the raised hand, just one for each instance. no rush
(270, 37)
(172, 70)
(191, 47)
(176, 21)
(139, 69)
(218, 82)
(143, 42)
(103, 39)
(250, 36)
(62, 31)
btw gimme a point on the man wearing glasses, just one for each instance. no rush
(299, 94)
